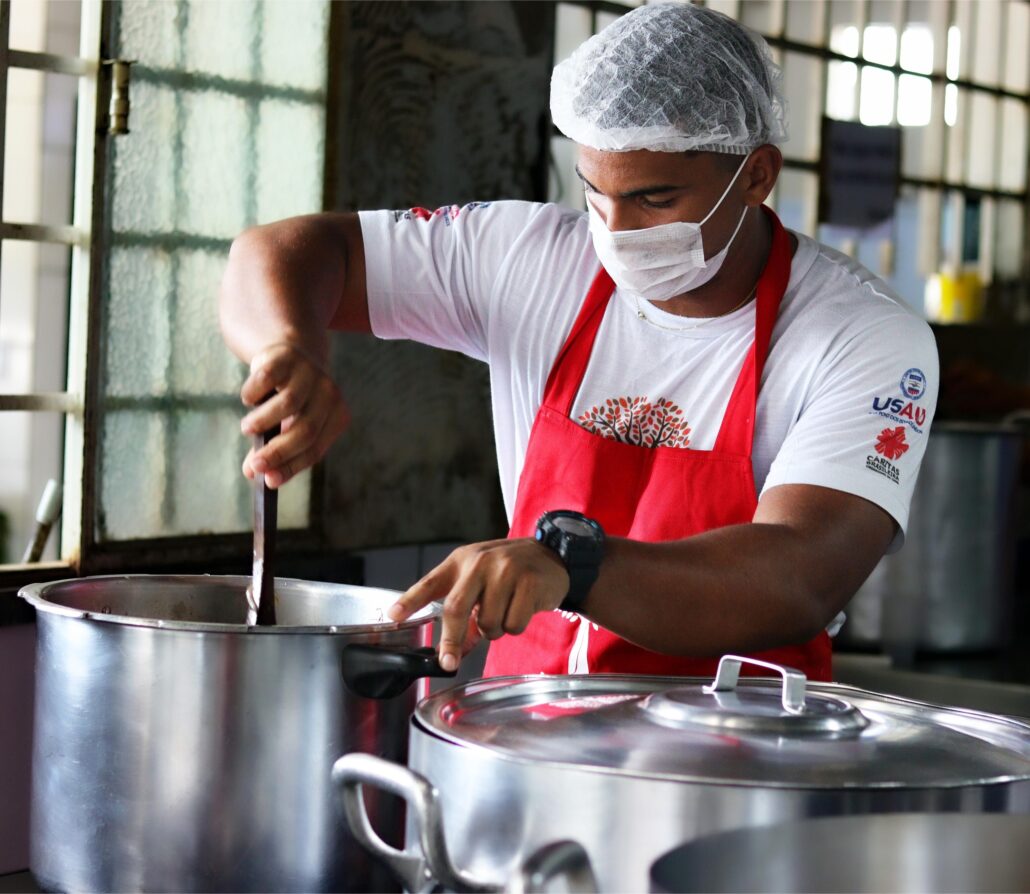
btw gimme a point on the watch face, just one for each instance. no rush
(575, 526)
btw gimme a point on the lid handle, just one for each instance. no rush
(728, 672)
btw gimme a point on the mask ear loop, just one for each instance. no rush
(725, 193)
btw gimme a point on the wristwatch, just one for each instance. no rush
(579, 543)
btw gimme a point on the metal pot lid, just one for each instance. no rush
(200, 603)
(781, 733)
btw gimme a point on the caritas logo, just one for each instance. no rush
(891, 444)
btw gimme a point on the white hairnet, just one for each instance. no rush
(671, 77)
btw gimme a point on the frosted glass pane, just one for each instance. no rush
(145, 185)
(956, 109)
(216, 157)
(922, 148)
(132, 486)
(797, 193)
(844, 18)
(293, 43)
(981, 152)
(805, 21)
(959, 39)
(28, 25)
(800, 74)
(1012, 167)
(23, 145)
(147, 31)
(220, 38)
(201, 364)
(988, 40)
(205, 160)
(564, 185)
(295, 502)
(729, 8)
(764, 16)
(289, 138)
(877, 98)
(1009, 245)
(572, 27)
(137, 323)
(211, 495)
(915, 95)
(842, 83)
(917, 48)
(1016, 76)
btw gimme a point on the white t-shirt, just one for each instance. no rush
(847, 393)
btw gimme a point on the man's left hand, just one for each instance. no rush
(505, 581)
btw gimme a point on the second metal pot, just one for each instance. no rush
(632, 766)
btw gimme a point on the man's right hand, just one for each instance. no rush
(304, 400)
(285, 286)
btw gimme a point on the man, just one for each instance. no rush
(705, 444)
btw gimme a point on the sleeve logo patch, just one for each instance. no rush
(447, 213)
(890, 444)
(913, 384)
(905, 412)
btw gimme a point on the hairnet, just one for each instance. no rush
(671, 77)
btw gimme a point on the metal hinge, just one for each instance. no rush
(118, 110)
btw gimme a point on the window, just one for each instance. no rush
(113, 378)
(954, 77)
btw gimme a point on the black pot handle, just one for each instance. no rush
(385, 672)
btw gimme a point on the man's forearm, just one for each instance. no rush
(283, 283)
(740, 588)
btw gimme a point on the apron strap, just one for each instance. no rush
(736, 435)
(560, 390)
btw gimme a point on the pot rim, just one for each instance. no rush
(35, 595)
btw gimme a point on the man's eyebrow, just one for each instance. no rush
(646, 191)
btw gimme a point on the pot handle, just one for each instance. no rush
(559, 858)
(383, 672)
(417, 873)
(728, 672)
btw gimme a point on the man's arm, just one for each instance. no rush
(286, 284)
(778, 580)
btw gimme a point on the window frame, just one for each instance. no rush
(80, 552)
(943, 187)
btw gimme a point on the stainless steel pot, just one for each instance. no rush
(176, 749)
(915, 853)
(951, 587)
(632, 766)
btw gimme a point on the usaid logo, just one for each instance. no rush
(913, 384)
(899, 410)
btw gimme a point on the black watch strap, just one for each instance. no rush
(579, 543)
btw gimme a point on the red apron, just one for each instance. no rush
(643, 493)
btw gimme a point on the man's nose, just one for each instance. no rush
(620, 217)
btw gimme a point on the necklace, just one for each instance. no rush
(699, 324)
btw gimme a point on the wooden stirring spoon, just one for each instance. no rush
(261, 593)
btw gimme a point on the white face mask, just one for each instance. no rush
(659, 263)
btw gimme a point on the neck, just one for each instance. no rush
(738, 275)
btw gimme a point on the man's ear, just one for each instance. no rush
(761, 174)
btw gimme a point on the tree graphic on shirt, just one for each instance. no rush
(891, 442)
(638, 421)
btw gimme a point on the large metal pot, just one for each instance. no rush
(177, 749)
(915, 853)
(631, 766)
(951, 587)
